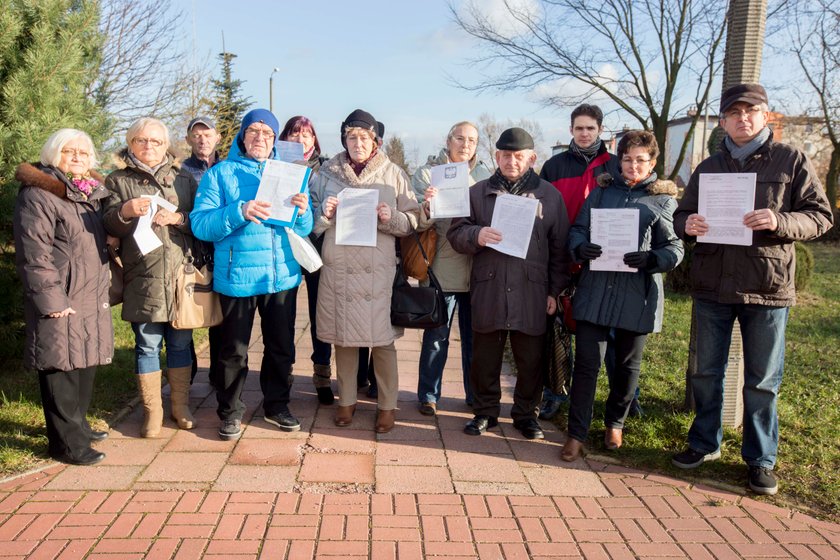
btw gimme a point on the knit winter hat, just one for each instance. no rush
(358, 119)
(263, 116)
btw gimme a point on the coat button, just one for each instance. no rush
(367, 269)
(508, 325)
(349, 298)
(367, 297)
(105, 305)
(509, 289)
(349, 270)
(107, 360)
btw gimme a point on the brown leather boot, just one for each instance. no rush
(385, 421)
(344, 415)
(179, 386)
(149, 384)
(572, 450)
(613, 438)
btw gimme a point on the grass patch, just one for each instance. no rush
(23, 438)
(809, 404)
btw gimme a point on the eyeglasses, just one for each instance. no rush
(257, 132)
(637, 161)
(740, 114)
(153, 142)
(467, 140)
(81, 154)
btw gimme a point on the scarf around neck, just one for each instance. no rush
(586, 153)
(742, 153)
(516, 187)
(143, 167)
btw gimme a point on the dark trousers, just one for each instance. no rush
(590, 346)
(277, 319)
(488, 349)
(65, 397)
(321, 351)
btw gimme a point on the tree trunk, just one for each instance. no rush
(832, 176)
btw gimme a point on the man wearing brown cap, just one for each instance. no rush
(753, 284)
(511, 296)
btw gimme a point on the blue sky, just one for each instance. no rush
(391, 58)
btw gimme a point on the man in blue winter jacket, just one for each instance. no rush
(254, 270)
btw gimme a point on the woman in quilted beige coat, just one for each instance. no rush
(354, 295)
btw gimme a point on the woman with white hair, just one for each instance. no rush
(62, 261)
(148, 169)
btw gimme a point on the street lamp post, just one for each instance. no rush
(271, 89)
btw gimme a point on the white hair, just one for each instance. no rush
(764, 108)
(51, 151)
(142, 123)
(458, 125)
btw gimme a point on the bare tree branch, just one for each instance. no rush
(642, 55)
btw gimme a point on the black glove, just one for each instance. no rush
(588, 251)
(642, 260)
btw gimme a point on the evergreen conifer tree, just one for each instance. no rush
(228, 105)
(49, 54)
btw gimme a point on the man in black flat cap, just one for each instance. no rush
(753, 284)
(511, 296)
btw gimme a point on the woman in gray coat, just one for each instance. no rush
(63, 263)
(628, 303)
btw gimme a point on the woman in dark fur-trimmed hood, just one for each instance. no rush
(63, 264)
(624, 304)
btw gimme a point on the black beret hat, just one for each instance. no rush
(515, 139)
(754, 94)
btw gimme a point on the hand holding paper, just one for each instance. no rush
(256, 210)
(489, 236)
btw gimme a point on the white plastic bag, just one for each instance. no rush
(304, 251)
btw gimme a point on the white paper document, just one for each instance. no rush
(724, 198)
(289, 151)
(279, 183)
(514, 217)
(355, 217)
(616, 230)
(144, 235)
(453, 190)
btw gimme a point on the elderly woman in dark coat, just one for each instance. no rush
(628, 303)
(62, 261)
(148, 169)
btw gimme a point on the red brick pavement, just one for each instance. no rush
(423, 491)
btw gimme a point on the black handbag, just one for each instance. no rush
(417, 307)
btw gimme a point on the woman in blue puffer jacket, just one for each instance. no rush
(254, 270)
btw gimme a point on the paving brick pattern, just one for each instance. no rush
(425, 490)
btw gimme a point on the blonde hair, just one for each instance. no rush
(350, 129)
(142, 123)
(51, 150)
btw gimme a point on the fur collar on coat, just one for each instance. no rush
(339, 167)
(28, 175)
(660, 186)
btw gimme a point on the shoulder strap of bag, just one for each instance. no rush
(422, 251)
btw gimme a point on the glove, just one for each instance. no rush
(642, 260)
(588, 251)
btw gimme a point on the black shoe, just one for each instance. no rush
(97, 436)
(325, 395)
(530, 429)
(690, 459)
(231, 429)
(284, 420)
(480, 424)
(89, 456)
(373, 392)
(762, 481)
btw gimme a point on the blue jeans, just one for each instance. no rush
(435, 349)
(148, 342)
(763, 333)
